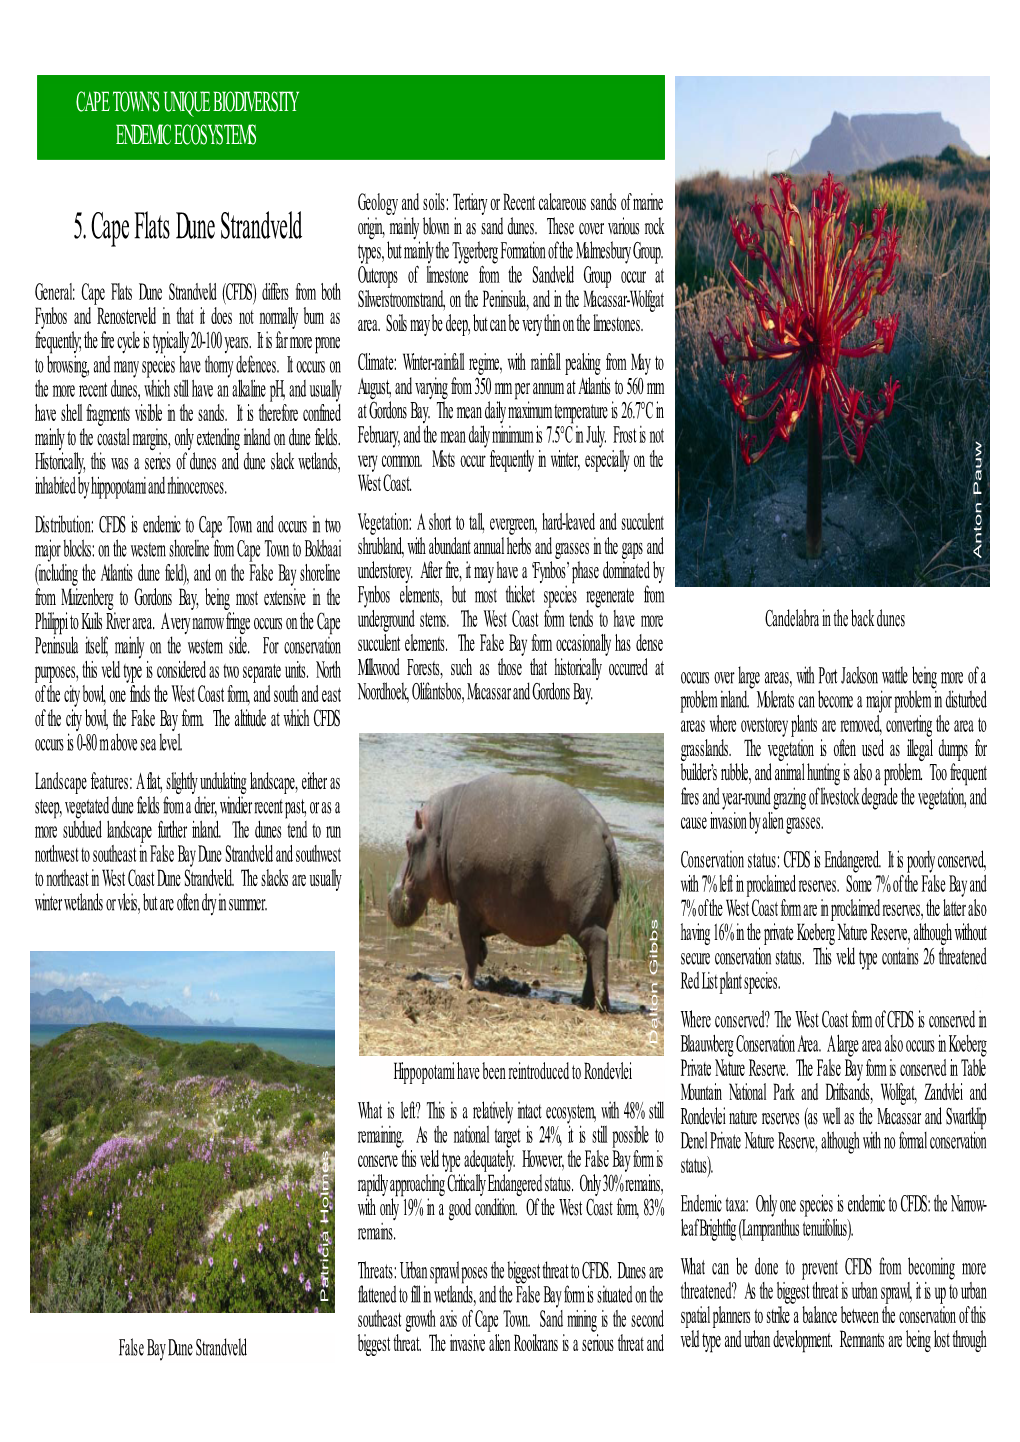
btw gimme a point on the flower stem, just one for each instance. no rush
(814, 474)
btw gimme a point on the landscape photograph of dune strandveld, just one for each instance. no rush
(181, 1163)
(832, 332)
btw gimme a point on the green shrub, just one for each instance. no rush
(248, 1110)
(83, 1278)
(913, 167)
(272, 1106)
(306, 1118)
(904, 204)
(302, 1171)
(118, 1115)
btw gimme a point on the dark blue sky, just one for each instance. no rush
(744, 125)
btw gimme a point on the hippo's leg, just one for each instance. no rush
(475, 950)
(594, 942)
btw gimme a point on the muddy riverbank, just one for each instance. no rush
(524, 1002)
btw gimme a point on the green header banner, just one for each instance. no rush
(351, 117)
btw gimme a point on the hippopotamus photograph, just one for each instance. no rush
(542, 853)
(525, 857)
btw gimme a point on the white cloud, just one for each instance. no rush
(213, 996)
(186, 992)
(96, 983)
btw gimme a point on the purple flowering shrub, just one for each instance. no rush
(300, 1138)
(267, 1257)
(153, 1196)
(106, 1157)
(165, 1218)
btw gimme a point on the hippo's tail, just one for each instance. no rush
(614, 863)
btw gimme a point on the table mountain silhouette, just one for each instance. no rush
(863, 142)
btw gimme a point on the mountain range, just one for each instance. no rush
(78, 1007)
(864, 142)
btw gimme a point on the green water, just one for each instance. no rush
(621, 775)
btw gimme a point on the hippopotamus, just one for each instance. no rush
(521, 856)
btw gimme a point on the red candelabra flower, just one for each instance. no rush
(819, 280)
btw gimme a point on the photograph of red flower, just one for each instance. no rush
(792, 289)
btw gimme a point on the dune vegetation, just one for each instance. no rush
(919, 468)
(177, 1177)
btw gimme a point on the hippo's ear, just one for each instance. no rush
(419, 820)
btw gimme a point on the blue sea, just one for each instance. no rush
(317, 1048)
